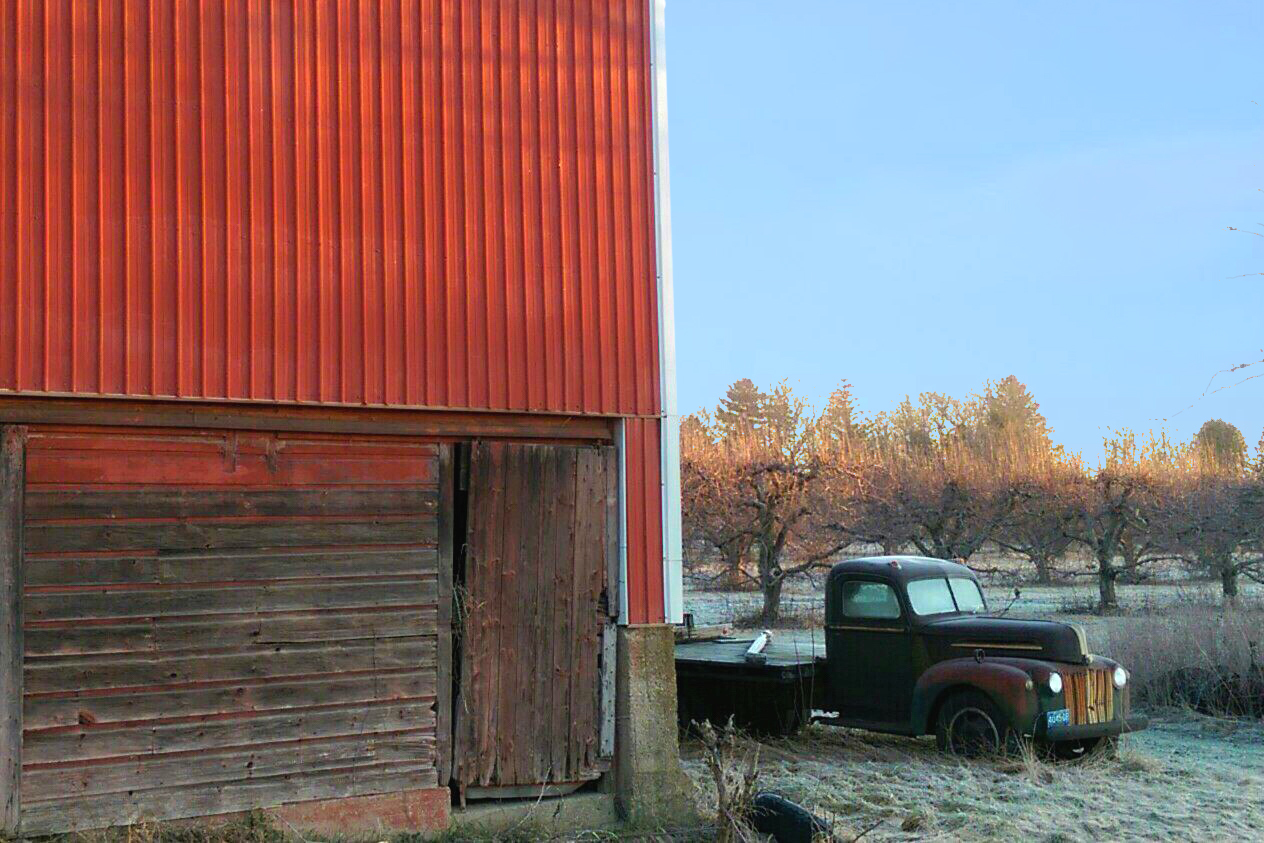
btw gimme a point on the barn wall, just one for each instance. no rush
(441, 203)
(217, 621)
(643, 490)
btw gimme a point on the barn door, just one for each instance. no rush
(533, 614)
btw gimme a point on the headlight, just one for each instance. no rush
(1055, 683)
(1120, 677)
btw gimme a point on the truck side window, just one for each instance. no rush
(869, 600)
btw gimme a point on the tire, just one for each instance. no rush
(785, 821)
(970, 725)
(1084, 749)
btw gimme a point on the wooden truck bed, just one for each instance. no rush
(715, 682)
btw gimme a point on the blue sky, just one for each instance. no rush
(922, 196)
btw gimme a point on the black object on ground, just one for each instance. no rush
(786, 821)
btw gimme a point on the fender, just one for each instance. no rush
(1009, 686)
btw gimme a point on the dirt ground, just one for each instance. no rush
(1186, 778)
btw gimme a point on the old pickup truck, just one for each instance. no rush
(910, 648)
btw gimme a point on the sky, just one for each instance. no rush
(923, 196)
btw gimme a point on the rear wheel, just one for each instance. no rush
(970, 725)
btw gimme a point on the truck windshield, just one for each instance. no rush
(945, 596)
(931, 597)
(966, 592)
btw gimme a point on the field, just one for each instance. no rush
(1189, 777)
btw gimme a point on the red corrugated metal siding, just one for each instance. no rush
(388, 202)
(643, 488)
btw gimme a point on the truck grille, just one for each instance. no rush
(1090, 696)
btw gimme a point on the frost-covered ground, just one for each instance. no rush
(1186, 778)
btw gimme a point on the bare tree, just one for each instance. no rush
(714, 515)
(1040, 524)
(760, 492)
(1116, 505)
(1107, 506)
(1207, 515)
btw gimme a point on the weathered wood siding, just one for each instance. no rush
(11, 487)
(532, 610)
(219, 621)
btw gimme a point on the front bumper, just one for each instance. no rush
(1109, 729)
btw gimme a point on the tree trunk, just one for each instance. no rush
(1107, 573)
(772, 600)
(733, 553)
(1044, 569)
(1229, 583)
(1106, 589)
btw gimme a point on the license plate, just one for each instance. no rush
(1061, 717)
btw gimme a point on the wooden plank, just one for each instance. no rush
(553, 469)
(294, 418)
(609, 636)
(194, 535)
(786, 649)
(243, 728)
(506, 658)
(610, 460)
(59, 673)
(446, 501)
(293, 758)
(561, 594)
(609, 661)
(229, 566)
(12, 487)
(589, 560)
(283, 597)
(193, 503)
(522, 655)
(160, 634)
(464, 703)
(172, 803)
(463, 623)
(486, 603)
(225, 698)
(597, 616)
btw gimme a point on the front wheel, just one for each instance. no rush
(970, 725)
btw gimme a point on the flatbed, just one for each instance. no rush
(772, 695)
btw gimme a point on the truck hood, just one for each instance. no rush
(1029, 639)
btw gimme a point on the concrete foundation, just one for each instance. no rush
(577, 812)
(650, 786)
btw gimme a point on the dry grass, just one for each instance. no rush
(258, 828)
(1180, 781)
(254, 828)
(732, 760)
(1171, 654)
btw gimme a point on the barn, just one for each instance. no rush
(338, 473)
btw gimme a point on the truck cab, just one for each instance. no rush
(910, 648)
